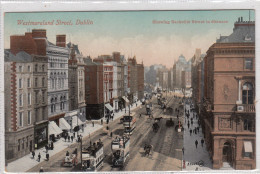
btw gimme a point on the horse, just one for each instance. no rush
(155, 127)
(147, 149)
(158, 119)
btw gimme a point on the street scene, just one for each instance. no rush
(130, 91)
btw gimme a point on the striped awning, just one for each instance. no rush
(54, 129)
(109, 107)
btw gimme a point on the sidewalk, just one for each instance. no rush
(25, 163)
(195, 158)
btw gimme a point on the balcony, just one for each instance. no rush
(246, 108)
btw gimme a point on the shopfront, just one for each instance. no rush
(40, 135)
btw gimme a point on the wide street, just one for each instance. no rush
(167, 143)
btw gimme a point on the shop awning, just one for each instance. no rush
(54, 129)
(248, 146)
(64, 125)
(109, 107)
(76, 121)
(126, 100)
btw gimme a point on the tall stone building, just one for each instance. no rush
(133, 95)
(26, 121)
(140, 81)
(228, 115)
(58, 92)
(76, 82)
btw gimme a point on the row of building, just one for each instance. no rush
(223, 83)
(53, 85)
(177, 77)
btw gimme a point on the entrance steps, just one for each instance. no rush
(226, 166)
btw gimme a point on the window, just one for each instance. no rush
(28, 82)
(20, 68)
(27, 141)
(43, 79)
(29, 68)
(248, 149)
(20, 100)
(43, 98)
(29, 117)
(20, 83)
(36, 82)
(248, 125)
(36, 68)
(20, 119)
(23, 143)
(52, 83)
(43, 67)
(29, 98)
(247, 93)
(19, 142)
(249, 63)
(36, 97)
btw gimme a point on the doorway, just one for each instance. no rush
(227, 153)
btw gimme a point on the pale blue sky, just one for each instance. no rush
(133, 33)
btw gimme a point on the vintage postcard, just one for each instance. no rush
(129, 91)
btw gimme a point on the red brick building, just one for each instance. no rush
(228, 112)
(94, 89)
(140, 81)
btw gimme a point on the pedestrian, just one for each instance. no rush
(136, 104)
(101, 121)
(107, 128)
(33, 154)
(79, 139)
(112, 116)
(198, 129)
(111, 134)
(52, 145)
(183, 150)
(73, 134)
(41, 169)
(190, 132)
(68, 138)
(195, 131)
(107, 121)
(46, 148)
(71, 138)
(191, 122)
(188, 125)
(93, 124)
(196, 143)
(65, 138)
(47, 156)
(140, 115)
(202, 142)
(67, 153)
(39, 157)
(177, 116)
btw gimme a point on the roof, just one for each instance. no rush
(244, 31)
(21, 56)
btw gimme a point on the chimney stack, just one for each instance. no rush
(61, 40)
(241, 19)
(39, 33)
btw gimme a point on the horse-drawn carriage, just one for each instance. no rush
(70, 160)
(147, 149)
(156, 127)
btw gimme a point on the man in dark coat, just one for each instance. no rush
(47, 156)
(33, 154)
(190, 132)
(39, 157)
(202, 142)
(196, 143)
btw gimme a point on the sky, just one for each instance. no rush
(133, 33)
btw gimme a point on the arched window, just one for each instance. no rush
(52, 83)
(247, 93)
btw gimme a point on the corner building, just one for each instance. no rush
(228, 111)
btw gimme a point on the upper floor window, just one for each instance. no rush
(20, 68)
(29, 68)
(20, 83)
(43, 79)
(29, 117)
(20, 119)
(28, 82)
(20, 100)
(36, 67)
(249, 63)
(248, 125)
(247, 93)
(36, 82)
(43, 67)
